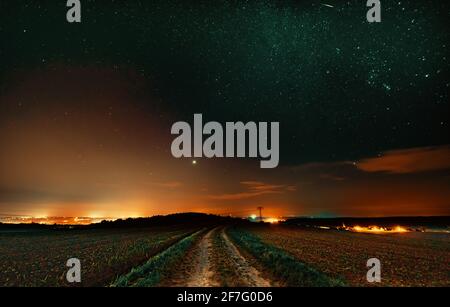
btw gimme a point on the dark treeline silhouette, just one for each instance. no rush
(190, 218)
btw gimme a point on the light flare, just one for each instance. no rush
(375, 229)
(272, 220)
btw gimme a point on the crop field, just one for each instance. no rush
(222, 254)
(38, 258)
(407, 259)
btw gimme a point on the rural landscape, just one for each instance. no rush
(228, 143)
(188, 250)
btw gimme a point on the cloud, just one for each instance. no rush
(260, 186)
(253, 189)
(169, 184)
(404, 161)
(408, 160)
(332, 177)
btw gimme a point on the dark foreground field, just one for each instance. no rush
(196, 250)
(407, 259)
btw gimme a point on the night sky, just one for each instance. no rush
(86, 109)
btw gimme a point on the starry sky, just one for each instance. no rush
(86, 109)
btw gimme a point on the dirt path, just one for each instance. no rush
(249, 275)
(215, 261)
(203, 275)
(195, 268)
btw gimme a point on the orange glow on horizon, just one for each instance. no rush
(376, 229)
(51, 220)
(273, 220)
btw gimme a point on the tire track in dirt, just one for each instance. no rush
(215, 261)
(248, 274)
(203, 275)
(195, 270)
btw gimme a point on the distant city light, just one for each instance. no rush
(272, 220)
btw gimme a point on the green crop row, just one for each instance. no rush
(282, 265)
(150, 273)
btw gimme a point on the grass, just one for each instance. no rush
(282, 265)
(150, 273)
